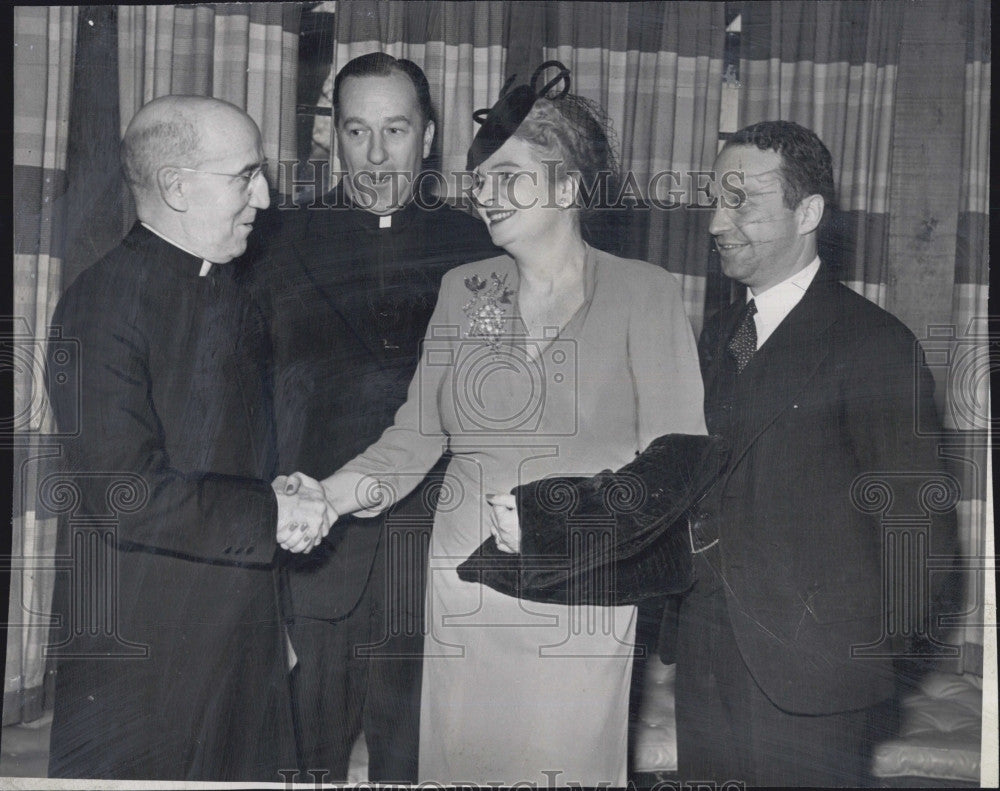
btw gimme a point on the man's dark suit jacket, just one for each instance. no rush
(348, 303)
(832, 395)
(174, 452)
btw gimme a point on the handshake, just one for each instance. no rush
(307, 510)
(304, 512)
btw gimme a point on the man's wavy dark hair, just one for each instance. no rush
(379, 64)
(806, 164)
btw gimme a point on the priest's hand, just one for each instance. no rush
(304, 515)
(506, 527)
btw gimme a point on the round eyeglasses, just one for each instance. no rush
(247, 176)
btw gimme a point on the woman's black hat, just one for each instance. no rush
(501, 121)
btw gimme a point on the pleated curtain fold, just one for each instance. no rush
(461, 48)
(967, 411)
(832, 68)
(44, 49)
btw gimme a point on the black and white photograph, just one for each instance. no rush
(544, 394)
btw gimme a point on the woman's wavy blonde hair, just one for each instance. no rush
(576, 133)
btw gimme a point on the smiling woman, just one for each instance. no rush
(566, 358)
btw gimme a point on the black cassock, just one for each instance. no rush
(173, 457)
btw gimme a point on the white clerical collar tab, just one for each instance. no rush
(385, 221)
(206, 267)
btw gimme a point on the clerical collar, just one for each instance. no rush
(371, 222)
(206, 265)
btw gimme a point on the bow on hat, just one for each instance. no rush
(498, 123)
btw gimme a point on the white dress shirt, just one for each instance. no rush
(774, 304)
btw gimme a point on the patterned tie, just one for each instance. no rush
(743, 344)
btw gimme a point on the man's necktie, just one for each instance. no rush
(743, 344)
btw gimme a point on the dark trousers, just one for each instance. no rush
(728, 729)
(363, 672)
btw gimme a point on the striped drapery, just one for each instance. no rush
(886, 87)
(44, 45)
(245, 53)
(832, 68)
(967, 411)
(656, 69)
(970, 294)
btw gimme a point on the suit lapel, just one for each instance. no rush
(784, 365)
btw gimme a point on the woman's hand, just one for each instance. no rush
(347, 492)
(304, 515)
(506, 526)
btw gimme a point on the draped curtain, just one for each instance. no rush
(45, 41)
(836, 67)
(245, 53)
(832, 68)
(656, 68)
(967, 408)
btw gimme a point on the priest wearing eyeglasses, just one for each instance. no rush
(172, 408)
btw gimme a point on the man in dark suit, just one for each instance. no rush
(171, 656)
(813, 387)
(349, 288)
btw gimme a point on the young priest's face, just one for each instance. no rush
(383, 139)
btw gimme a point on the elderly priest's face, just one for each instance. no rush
(227, 187)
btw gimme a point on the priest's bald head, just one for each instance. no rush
(196, 166)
